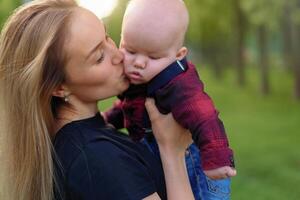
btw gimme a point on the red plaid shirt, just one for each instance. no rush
(184, 96)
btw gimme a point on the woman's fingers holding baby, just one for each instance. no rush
(152, 110)
(168, 133)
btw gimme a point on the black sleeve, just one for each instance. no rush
(103, 171)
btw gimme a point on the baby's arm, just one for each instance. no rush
(115, 115)
(192, 108)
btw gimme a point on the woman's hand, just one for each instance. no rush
(168, 133)
(173, 141)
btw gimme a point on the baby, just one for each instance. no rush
(152, 38)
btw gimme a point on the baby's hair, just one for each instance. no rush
(167, 13)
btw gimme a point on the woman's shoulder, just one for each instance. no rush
(95, 141)
(80, 132)
(104, 159)
(77, 137)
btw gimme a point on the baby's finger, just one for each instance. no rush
(231, 172)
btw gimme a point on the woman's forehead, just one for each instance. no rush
(86, 31)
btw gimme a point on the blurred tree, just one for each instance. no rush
(296, 45)
(263, 16)
(262, 35)
(240, 30)
(210, 32)
(286, 30)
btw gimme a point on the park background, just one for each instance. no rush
(247, 53)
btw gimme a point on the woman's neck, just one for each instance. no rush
(67, 114)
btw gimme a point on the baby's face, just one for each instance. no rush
(152, 37)
(146, 54)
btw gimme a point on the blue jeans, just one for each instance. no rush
(203, 187)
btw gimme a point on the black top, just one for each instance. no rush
(97, 162)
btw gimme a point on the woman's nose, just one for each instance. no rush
(117, 55)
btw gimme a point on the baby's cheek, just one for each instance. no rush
(126, 66)
(128, 62)
(127, 57)
(126, 70)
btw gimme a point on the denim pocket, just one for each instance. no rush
(220, 188)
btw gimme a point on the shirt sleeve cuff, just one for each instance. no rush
(217, 158)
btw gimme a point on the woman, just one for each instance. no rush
(56, 63)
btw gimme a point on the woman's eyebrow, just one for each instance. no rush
(97, 46)
(93, 50)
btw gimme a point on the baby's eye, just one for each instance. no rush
(154, 57)
(130, 51)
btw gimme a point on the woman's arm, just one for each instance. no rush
(172, 140)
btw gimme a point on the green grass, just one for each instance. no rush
(264, 132)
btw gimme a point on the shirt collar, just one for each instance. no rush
(95, 121)
(134, 91)
(171, 71)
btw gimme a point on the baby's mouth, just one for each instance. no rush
(134, 76)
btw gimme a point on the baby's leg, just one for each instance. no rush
(195, 172)
(203, 187)
(217, 189)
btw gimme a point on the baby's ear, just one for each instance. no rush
(181, 53)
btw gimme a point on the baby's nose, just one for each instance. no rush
(139, 62)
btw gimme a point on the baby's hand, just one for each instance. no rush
(220, 173)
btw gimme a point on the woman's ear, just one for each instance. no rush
(181, 53)
(60, 91)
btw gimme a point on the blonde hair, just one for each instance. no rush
(32, 59)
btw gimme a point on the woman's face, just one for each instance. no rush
(94, 69)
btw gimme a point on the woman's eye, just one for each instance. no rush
(100, 59)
